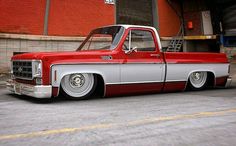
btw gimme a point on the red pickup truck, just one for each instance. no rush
(130, 61)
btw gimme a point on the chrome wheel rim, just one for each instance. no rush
(198, 79)
(76, 80)
(77, 85)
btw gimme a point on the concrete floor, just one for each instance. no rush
(205, 118)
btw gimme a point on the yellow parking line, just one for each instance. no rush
(103, 126)
(58, 131)
(180, 117)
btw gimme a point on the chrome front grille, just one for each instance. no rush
(22, 69)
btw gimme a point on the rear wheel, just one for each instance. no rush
(78, 86)
(198, 80)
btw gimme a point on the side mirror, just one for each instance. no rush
(134, 49)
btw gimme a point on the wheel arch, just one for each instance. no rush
(57, 75)
(210, 73)
(101, 86)
(212, 79)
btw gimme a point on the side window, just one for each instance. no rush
(142, 40)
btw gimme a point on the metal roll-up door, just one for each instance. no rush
(229, 20)
(134, 12)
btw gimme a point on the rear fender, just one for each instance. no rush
(199, 70)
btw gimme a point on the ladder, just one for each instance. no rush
(176, 43)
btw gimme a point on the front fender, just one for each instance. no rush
(109, 73)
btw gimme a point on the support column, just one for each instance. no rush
(45, 28)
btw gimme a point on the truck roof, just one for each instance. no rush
(126, 26)
(140, 26)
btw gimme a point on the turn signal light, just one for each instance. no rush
(190, 25)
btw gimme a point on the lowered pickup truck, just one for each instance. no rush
(130, 61)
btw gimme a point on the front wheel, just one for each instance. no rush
(198, 80)
(78, 86)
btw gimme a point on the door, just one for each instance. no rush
(229, 19)
(143, 68)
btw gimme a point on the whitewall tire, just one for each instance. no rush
(78, 86)
(198, 80)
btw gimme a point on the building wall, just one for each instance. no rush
(66, 17)
(71, 17)
(78, 17)
(169, 22)
(22, 16)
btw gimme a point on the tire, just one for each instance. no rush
(78, 86)
(197, 80)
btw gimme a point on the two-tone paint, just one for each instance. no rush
(137, 72)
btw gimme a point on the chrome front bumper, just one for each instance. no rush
(37, 91)
(228, 82)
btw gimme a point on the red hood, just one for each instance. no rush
(49, 58)
(61, 55)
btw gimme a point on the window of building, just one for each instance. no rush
(138, 12)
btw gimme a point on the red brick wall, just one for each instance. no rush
(78, 17)
(71, 17)
(66, 17)
(22, 16)
(168, 20)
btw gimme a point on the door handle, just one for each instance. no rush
(155, 55)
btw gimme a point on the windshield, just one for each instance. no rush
(103, 38)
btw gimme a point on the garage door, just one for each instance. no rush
(229, 20)
(137, 12)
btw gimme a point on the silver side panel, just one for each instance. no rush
(181, 72)
(142, 73)
(109, 72)
(137, 73)
(112, 73)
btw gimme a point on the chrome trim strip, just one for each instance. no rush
(226, 76)
(228, 82)
(144, 82)
(23, 78)
(85, 63)
(33, 69)
(197, 63)
(144, 63)
(37, 91)
(176, 81)
(97, 63)
(26, 60)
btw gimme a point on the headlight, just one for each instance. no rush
(37, 68)
(11, 68)
(11, 72)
